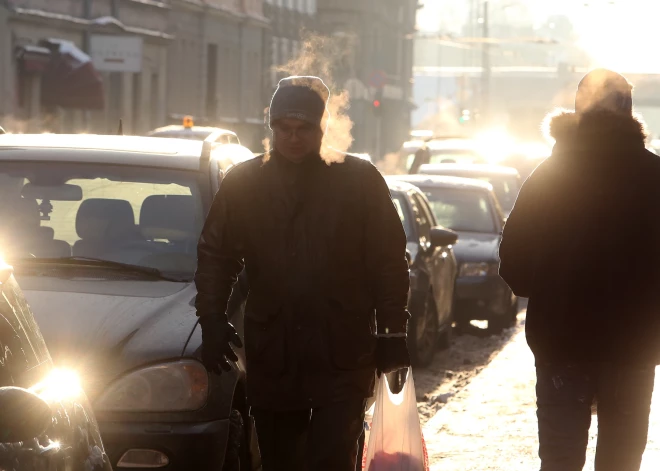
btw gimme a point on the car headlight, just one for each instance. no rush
(167, 387)
(478, 269)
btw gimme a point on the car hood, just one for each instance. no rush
(106, 327)
(477, 247)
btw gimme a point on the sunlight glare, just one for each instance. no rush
(614, 35)
(59, 385)
(494, 145)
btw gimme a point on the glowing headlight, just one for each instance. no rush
(478, 269)
(59, 385)
(168, 387)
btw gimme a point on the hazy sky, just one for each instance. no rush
(619, 34)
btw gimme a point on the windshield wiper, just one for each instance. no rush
(99, 262)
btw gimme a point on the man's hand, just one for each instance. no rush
(217, 337)
(392, 354)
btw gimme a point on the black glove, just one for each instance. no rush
(217, 336)
(392, 354)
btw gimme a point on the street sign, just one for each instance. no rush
(378, 79)
(116, 53)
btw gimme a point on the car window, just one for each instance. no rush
(141, 216)
(424, 220)
(423, 225)
(462, 210)
(401, 206)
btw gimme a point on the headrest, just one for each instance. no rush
(169, 217)
(47, 233)
(100, 218)
(20, 214)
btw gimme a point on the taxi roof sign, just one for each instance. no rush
(188, 122)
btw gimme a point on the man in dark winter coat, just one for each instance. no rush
(583, 243)
(324, 252)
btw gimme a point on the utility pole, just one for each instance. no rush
(485, 66)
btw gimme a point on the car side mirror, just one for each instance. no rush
(441, 237)
(24, 415)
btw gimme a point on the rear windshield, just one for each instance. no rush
(462, 210)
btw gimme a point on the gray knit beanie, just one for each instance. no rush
(602, 89)
(299, 97)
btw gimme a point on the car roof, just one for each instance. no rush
(113, 150)
(450, 143)
(438, 181)
(468, 170)
(395, 184)
(174, 128)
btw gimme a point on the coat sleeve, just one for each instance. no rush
(386, 256)
(520, 240)
(219, 254)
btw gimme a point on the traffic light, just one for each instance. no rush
(377, 102)
(465, 117)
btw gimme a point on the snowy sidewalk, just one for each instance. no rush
(491, 424)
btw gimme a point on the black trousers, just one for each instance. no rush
(564, 397)
(320, 439)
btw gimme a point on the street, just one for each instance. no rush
(491, 423)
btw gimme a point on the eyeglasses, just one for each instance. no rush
(286, 132)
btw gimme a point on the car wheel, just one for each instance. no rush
(237, 449)
(444, 340)
(423, 335)
(496, 326)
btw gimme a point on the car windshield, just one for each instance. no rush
(461, 210)
(402, 208)
(506, 189)
(145, 217)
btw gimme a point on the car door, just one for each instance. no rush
(440, 264)
(428, 256)
(66, 436)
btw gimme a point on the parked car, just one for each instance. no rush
(506, 181)
(432, 272)
(188, 130)
(46, 421)
(441, 151)
(470, 208)
(102, 231)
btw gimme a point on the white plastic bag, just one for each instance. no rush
(395, 441)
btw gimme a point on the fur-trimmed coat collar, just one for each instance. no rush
(595, 133)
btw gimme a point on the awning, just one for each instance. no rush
(70, 79)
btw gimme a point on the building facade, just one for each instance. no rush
(216, 65)
(379, 67)
(135, 97)
(289, 20)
